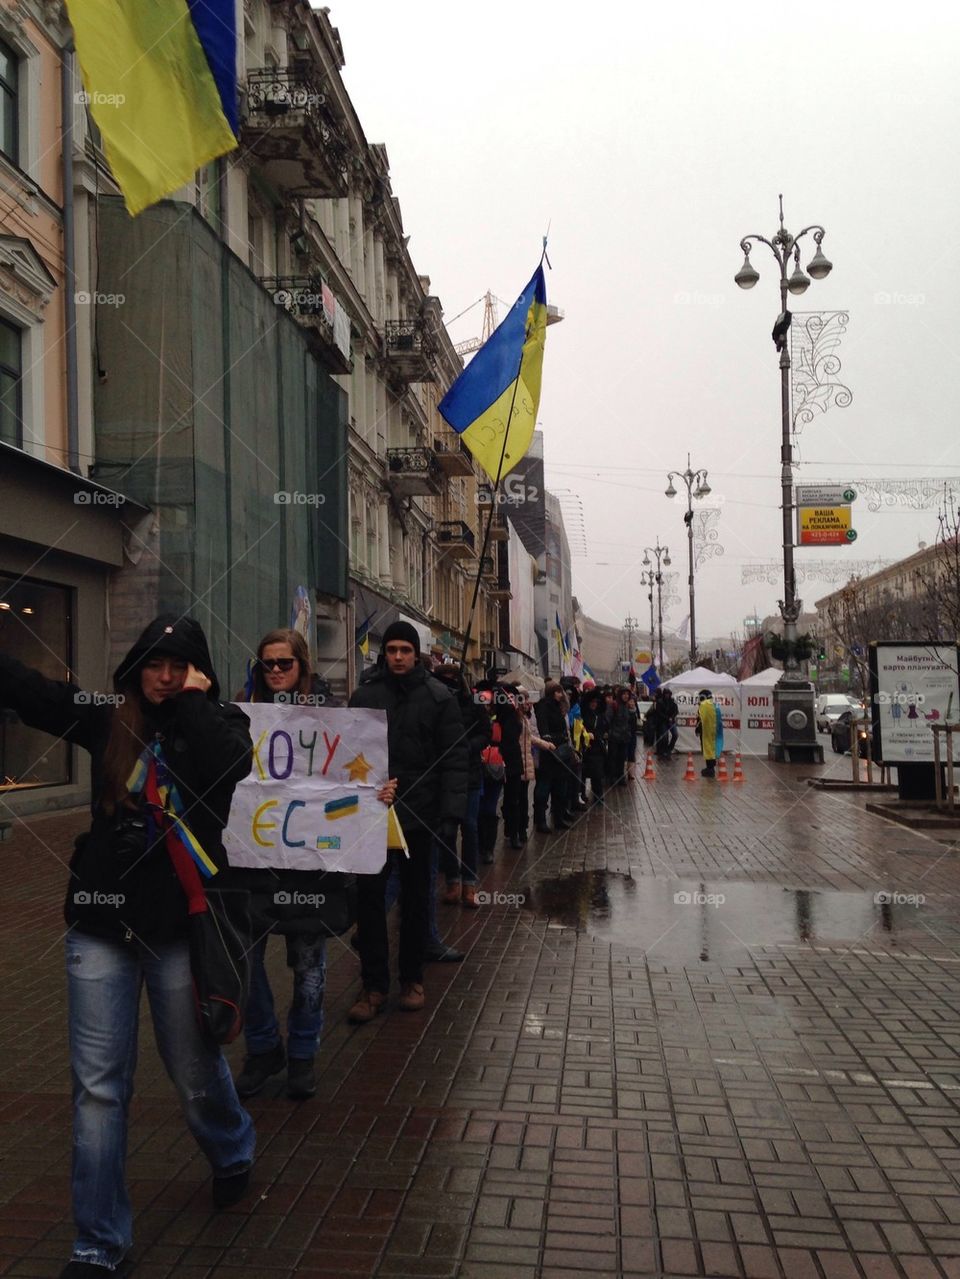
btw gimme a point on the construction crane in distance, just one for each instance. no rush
(490, 322)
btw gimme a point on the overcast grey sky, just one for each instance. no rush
(651, 139)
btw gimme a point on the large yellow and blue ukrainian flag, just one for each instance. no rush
(505, 372)
(161, 83)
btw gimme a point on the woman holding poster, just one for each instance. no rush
(304, 906)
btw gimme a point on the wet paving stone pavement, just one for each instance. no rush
(712, 1030)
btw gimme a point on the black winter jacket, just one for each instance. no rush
(118, 887)
(477, 731)
(426, 745)
(552, 721)
(595, 722)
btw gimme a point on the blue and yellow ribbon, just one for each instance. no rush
(169, 802)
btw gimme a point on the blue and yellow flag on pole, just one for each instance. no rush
(161, 83)
(504, 375)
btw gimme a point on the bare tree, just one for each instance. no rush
(946, 568)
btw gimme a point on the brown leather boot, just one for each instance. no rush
(468, 897)
(367, 1006)
(452, 895)
(412, 998)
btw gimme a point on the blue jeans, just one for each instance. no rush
(307, 956)
(104, 979)
(465, 867)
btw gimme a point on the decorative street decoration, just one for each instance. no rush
(706, 535)
(920, 494)
(814, 339)
(830, 571)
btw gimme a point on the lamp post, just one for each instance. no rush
(647, 580)
(629, 624)
(702, 489)
(662, 553)
(795, 727)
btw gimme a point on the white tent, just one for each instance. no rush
(764, 679)
(699, 678)
(726, 693)
(756, 711)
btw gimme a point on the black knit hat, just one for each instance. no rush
(170, 636)
(401, 632)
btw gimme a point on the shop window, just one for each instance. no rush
(35, 628)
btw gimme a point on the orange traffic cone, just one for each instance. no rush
(737, 768)
(722, 770)
(690, 775)
(649, 775)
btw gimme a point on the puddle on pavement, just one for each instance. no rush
(686, 919)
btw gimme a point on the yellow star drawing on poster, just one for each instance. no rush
(358, 768)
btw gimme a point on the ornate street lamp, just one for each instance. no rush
(697, 487)
(795, 725)
(661, 552)
(648, 579)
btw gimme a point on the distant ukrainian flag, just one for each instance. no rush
(505, 371)
(161, 82)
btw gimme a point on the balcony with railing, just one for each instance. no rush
(410, 350)
(453, 456)
(311, 303)
(289, 128)
(455, 538)
(498, 529)
(414, 472)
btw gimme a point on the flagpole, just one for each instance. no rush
(493, 510)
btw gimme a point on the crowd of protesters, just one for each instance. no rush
(167, 754)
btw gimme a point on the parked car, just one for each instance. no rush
(830, 706)
(840, 732)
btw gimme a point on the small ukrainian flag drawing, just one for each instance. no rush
(335, 808)
(328, 841)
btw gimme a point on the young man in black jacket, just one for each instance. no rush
(428, 756)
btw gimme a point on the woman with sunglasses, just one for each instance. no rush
(282, 674)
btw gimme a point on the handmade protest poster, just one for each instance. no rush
(310, 801)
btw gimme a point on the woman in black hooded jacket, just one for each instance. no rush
(126, 912)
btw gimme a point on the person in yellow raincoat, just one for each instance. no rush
(710, 732)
